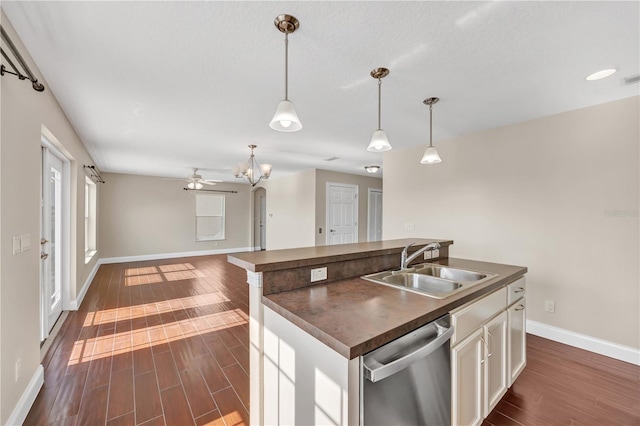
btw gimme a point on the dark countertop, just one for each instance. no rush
(355, 316)
(273, 260)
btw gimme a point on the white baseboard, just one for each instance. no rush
(75, 304)
(27, 399)
(582, 341)
(160, 256)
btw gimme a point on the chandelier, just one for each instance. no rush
(252, 171)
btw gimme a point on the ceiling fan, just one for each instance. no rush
(196, 181)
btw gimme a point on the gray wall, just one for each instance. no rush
(539, 194)
(26, 115)
(142, 215)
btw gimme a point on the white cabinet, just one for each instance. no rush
(467, 380)
(495, 362)
(478, 358)
(517, 338)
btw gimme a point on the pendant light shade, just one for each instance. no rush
(194, 185)
(431, 155)
(286, 119)
(379, 141)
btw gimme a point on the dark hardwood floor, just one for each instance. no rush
(166, 343)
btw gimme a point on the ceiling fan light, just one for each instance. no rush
(285, 119)
(430, 156)
(372, 169)
(379, 142)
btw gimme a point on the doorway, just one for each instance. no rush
(375, 215)
(54, 241)
(342, 213)
(259, 219)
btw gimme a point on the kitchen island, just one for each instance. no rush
(306, 337)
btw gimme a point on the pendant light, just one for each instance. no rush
(379, 141)
(252, 171)
(431, 154)
(286, 119)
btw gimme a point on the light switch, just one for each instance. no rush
(25, 242)
(16, 244)
(409, 227)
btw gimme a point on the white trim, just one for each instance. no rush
(28, 397)
(160, 256)
(254, 279)
(582, 341)
(75, 304)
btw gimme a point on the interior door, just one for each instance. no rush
(375, 215)
(342, 213)
(51, 240)
(263, 222)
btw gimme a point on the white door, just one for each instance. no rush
(51, 241)
(263, 222)
(342, 213)
(375, 214)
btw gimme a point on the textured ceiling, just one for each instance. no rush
(156, 88)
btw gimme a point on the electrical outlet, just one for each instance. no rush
(427, 255)
(318, 274)
(17, 246)
(435, 253)
(18, 368)
(550, 306)
(409, 227)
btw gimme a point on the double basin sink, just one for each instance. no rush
(431, 280)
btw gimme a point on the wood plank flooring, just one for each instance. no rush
(166, 343)
(154, 343)
(564, 385)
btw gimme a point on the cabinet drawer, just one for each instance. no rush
(469, 318)
(516, 290)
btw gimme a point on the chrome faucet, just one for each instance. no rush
(405, 259)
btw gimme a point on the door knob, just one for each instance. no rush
(43, 255)
(43, 241)
(332, 230)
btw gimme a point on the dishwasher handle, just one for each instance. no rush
(378, 371)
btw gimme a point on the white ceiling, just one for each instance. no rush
(156, 88)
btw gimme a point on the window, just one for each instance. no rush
(209, 217)
(89, 219)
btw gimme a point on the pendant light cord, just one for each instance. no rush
(286, 66)
(430, 126)
(379, 101)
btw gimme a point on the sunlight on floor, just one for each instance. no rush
(106, 316)
(162, 273)
(117, 343)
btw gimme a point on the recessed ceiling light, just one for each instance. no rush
(601, 74)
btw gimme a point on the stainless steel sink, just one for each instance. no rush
(431, 280)
(449, 273)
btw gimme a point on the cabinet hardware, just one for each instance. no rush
(43, 256)
(519, 308)
(519, 290)
(43, 241)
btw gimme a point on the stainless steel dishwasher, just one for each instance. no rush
(408, 381)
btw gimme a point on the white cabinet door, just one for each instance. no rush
(467, 380)
(517, 339)
(495, 363)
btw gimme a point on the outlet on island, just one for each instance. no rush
(318, 274)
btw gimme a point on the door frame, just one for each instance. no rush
(369, 192)
(65, 262)
(328, 209)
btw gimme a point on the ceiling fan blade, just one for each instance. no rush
(206, 182)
